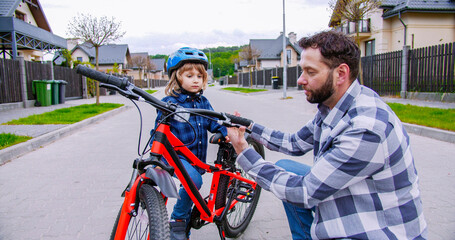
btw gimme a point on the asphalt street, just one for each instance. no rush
(70, 188)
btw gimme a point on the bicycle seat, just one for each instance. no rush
(217, 138)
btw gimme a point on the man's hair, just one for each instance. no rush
(336, 48)
(175, 82)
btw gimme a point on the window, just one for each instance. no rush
(369, 47)
(79, 59)
(20, 15)
(288, 56)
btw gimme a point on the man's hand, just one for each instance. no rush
(237, 138)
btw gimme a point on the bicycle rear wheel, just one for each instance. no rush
(151, 219)
(238, 218)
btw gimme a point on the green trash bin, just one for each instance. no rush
(54, 91)
(42, 91)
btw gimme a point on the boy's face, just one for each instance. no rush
(192, 80)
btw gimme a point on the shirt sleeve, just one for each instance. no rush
(352, 157)
(295, 144)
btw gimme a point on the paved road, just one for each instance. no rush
(70, 189)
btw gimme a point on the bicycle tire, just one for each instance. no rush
(238, 218)
(151, 219)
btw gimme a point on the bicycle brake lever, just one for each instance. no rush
(229, 124)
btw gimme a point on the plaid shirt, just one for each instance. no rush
(184, 131)
(363, 183)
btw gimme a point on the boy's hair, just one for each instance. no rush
(175, 83)
(336, 48)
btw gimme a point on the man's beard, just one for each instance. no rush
(324, 92)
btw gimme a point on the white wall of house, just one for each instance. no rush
(270, 64)
(423, 29)
(29, 55)
(23, 8)
(78, 53)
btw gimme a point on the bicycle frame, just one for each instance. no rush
(163, 145)
(167, 145)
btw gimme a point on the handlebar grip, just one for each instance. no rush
(102, 77)
(239, 120)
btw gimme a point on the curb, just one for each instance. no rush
(438, 134)
(20, 149)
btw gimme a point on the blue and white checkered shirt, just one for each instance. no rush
(184, 131)
(363, 183)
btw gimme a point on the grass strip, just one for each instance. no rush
(151, 91)
(244, 90)
(9, 139)
(65, 115)
(425, 116)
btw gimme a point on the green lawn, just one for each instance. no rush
(244, 90)
(425, 116)
(65, 115)
(8, 139)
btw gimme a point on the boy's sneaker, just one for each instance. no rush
(178, 229)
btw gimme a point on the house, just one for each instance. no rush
(271, 53)
(396, 23)
(25, 32)
(159, 72)
(139, 72)
(109, 55)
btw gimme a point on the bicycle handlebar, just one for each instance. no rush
(124, 85)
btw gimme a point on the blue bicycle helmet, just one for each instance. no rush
(184, 55)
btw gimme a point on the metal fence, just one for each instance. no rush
(382, 72)
(431, 69)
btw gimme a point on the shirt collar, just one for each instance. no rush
(184, 96)
(332, 117)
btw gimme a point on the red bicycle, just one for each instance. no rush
(233, 196)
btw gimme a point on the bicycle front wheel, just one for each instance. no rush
(151, 219)
(238, 218)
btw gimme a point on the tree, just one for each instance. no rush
(250, 54)
(352, 11)
(96, 32)
(140, 62)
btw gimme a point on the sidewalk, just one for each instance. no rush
(45, 134)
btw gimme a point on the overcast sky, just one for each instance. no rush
(161, 27)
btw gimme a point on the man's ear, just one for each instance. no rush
(343, 73)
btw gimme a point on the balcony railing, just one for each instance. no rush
(349, 27)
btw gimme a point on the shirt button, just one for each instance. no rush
(200, 142)
(199, 124)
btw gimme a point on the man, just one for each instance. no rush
(363, 183)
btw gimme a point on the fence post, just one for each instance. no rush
(23, 80)
(404, 71)
(51, 67)
(84, 88)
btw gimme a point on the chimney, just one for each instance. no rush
(292, 37)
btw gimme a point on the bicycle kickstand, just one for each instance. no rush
(221, 231)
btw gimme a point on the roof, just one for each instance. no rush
(394, 7)
(271, 48)
(108, 54)
(8, 8)
(159, 64)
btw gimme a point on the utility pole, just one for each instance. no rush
(285, 59)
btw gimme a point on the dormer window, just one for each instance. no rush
(20, 15)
